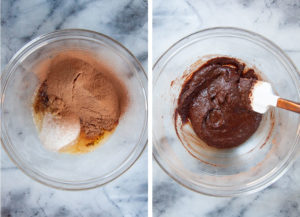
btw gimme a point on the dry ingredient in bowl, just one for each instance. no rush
(215, 100)
(77, 105)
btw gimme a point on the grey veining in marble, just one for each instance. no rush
(125, 21)
(274, 19)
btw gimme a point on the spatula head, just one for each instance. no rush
(262, 97)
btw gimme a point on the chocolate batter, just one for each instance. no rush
(215, 99)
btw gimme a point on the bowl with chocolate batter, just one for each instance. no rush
(205, 134)
(74, 109)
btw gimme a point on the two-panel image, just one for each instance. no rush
(160, 108)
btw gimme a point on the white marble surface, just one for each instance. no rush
(125, 21)
(276, 20)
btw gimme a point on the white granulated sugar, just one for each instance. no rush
(57, 133)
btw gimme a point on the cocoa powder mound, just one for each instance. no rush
(74, 87)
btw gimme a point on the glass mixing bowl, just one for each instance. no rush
(19, 134)
(255, 164)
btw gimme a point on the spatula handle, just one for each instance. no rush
(288, 105)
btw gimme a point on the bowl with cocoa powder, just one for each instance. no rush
(74, 109)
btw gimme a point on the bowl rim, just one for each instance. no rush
(133, 156)
(224, 192)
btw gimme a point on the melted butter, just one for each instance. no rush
(84, 145)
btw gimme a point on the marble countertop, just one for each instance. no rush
(274, 19)
(125, 21)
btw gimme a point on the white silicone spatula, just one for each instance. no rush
(262, 97)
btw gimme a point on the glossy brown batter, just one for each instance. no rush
(215, 99)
